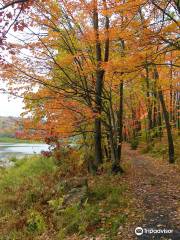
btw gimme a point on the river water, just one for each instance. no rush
(18, 150)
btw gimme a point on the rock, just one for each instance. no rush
(74, 183)
(120, 229)
(5, 163)
(77, 192)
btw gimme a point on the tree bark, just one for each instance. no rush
(98, 90)
(168, 127)
(120, 117)
(167, 122)
(116, 167)
(97, 123)
(178, 111)
(99, 79)
(149, 107)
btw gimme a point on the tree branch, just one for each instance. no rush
(12, 3)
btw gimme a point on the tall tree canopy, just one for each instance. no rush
(102, 70)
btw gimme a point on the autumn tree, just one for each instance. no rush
(98, 56)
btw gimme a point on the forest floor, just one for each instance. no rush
(156, 186)
(147, 195)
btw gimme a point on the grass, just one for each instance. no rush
(23, 189)
(110, 193)
(15, 140)
(30, 190)
(26, 169)
(159, 149)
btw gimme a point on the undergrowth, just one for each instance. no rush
(31, 193)
(159, 148)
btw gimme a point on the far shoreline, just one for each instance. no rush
(17, 140)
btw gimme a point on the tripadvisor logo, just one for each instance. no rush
(139, 231)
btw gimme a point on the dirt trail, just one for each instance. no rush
(156, 185)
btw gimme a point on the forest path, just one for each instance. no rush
(156, 186)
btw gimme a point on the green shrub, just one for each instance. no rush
(104, 190)
(35, 222)
(76, 220)
(159, 150)
(13, 159)
(115, 197)
(56, 203)
(114, 224)
(134, 143)
(101, 192)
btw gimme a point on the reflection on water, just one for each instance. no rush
(24, 148)
(8, 150)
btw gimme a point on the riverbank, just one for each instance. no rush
(10, 152)
(35, 189)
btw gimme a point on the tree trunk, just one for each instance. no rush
(99, 79)
(159, 122)
(108, 147)
(98, 90)
(168, 127)
(167, 122)
(178, 111)
(149, 107)
(120, 124)
(97, 123)
(116, 167)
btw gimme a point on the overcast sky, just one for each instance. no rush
(10, 106)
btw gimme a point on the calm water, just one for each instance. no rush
(9, 150)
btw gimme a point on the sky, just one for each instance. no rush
(10, 106)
